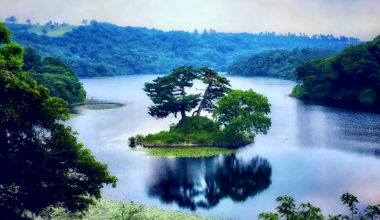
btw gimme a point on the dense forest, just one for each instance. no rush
(103, 49)
(277, 63)
(55, 75)
(352, 74)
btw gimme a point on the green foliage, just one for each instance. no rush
(350, 200)
(103, 49)
(338, 217)
(306, 211)
(372, 211)
(367, 96)
(41, 162)
(242, 113)
(353, 74)
(189, 130)
(216, 88)
(31, 59)
(185, 152)
(54, 74)
(168, 93)
(112, 209)
(127, 212)
(5, 34)
(277, 63)
(287, 207)
(11, 57)
(269, 216)
(132, 140)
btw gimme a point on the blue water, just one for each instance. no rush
(312, 152)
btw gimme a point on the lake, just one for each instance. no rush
(312, 152)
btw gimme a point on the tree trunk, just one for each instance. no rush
(204, 100)
(182, 108)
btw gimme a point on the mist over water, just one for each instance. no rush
(313, 153)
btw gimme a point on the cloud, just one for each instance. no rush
(351, 18)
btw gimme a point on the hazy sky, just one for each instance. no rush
(351, 18)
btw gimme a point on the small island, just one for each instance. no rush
(237, 116)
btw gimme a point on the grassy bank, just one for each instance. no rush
(193, 131)
(115, 210)
(195, 152)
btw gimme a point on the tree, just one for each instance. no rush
(28, 21)
(49, 23)
(372, 211)
(51, 26)
(44, 31)
(168, 93)
(31, 59)
(84, 22)
(216, 88)
(338, 217)
(308, 211)
(350, 200)
(41, 163)
(287, 207)
(243, 112)
(12, 19)
(269, 216)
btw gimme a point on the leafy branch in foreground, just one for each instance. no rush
(41, 162)
(306, 211)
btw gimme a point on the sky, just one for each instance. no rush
(350, 18)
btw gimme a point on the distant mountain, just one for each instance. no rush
(103, 49)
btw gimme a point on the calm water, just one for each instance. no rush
(313, 153)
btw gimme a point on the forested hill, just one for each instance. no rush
(103, 49)
(277, 63)
(353, 74)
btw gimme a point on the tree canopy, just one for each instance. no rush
(41, 163)
(103, 49)
(353, 74)
(54, 74)
(277, 63)
(168, 93)
(243, 113)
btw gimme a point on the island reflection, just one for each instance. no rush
(193, 184)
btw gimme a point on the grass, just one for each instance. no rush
(197, 131)
(56, 31)
(194, 152)
(112, 209)
(51, 32)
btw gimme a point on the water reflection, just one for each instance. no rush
(202, 183)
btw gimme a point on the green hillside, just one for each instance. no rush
(56, 31)
(103, 49)
(353, 74)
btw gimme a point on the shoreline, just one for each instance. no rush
(239, 143)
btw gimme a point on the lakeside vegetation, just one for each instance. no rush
(277, 63)
(103, 49)
(238, 115)
(307, 211)
(55, 75)
(352, 74)
(42, 164)
(120, 210)
(185, 152)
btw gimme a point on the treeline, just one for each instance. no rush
(277, 63)
(55, 75)
(353, 74)
(103, 49)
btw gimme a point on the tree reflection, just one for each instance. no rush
(194, 183)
